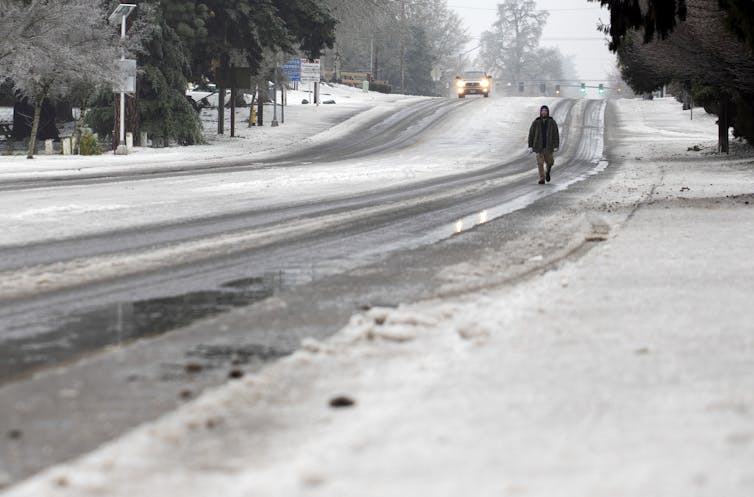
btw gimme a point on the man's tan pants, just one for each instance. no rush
(542, 158)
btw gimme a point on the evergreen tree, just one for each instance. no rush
(740, 19)
(310, 26)
(164, 111)
(419, 63)
(699, 47)
(657, 17)
(224, 33)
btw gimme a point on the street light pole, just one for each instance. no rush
(122, 11)
(122, 149)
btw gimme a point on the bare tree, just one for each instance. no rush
(54, 46)
(512, 44)
(445, 32)
(375, 35)
(546, 65)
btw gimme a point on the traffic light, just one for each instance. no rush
(583, 87)
(521, 86)
(542, 88)
(602, 89)
(557, 89)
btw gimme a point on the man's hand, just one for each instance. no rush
(531, 150)
(556, 149)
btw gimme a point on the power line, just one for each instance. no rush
(572, 39)
(565, 38)
(574, 9)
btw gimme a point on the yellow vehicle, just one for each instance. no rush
(473, 83)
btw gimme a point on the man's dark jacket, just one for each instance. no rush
(551, 131)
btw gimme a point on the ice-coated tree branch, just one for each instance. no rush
(56, 45)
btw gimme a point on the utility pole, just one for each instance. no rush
(371, 57)
(274, 122)
(233, 95)
(337, 62)
(403, 46)
(221, 111)
(224, 64)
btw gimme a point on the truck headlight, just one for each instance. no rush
(485, 83)
(460, 83)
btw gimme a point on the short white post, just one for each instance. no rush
(48, 147)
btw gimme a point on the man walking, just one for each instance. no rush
(544, 140)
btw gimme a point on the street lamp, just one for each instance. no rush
(121, 14)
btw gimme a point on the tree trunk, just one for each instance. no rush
(262, 97)
(221, 111)
(723, 123)
(132, 116)
(35, 127)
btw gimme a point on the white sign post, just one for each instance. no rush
(311, 72)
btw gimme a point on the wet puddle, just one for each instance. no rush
(80, 333)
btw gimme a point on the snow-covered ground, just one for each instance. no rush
(624, 369)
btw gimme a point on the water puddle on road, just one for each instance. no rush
(82, 332)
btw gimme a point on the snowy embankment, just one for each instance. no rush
(623, 370)
(303, 123)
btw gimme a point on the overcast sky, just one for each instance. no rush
(571, 27)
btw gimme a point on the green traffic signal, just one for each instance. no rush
(583, 87)
(602, 89)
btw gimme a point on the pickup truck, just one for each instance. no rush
(473, 83)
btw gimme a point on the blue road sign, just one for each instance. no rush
(292, 69)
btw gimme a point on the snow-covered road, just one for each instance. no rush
(374, 150)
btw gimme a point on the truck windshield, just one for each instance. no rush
(474, 75)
